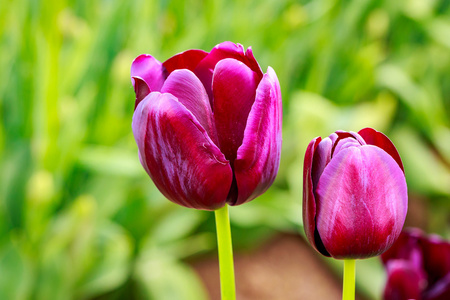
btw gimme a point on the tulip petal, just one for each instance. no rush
(358, 138)
(322, 157)
(185, 86)
(183, 162)
(362, 200)
(404, 281)
(185, 60)
(339, 135)
(335, 137)
(251, 61)
(376, 138)
(141, 89)
(436, 254)
(234, 94)
(205, 68)
(309, 202)
(406, 247)
(440, 290)
(258, 157)
(147, 75)
(345, 143)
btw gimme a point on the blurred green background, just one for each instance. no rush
(79, 217)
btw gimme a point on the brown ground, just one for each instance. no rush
(285, 268)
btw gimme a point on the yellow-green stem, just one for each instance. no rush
(348, 292)
(226, 265)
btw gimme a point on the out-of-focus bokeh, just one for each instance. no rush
(79, 217)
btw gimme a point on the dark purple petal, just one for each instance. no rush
(205, 68)
(404, 281)
(406, 247)
(362, 202)
(234, 87)
(309, 202)
(184, 163)
(436, 255)
(376, 138)
(185, 86)
(185, 60)
(141, 89)
(440, 290)
(258, 157)
(147, 75)
(433, 262)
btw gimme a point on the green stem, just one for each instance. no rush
(348, 292)
(226, 264)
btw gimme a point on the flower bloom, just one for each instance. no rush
(418, 267)
(208, 125)
(354, 194)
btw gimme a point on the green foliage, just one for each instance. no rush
(80, 219)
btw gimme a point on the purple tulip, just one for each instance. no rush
(354, 194)
(208, 125)
(418, 267)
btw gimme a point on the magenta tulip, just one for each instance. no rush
(418, 267)
(208, 125)
(354, 194)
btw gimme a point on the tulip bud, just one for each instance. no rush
(208, 125)
(354, 194)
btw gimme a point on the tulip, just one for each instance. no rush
(354, 194)
(208, 130)
(207, 125)
(418, 267)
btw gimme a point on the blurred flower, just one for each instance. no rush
(354, 194)
(418, 267)
(208, 125)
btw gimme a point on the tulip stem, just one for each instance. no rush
(226, 265)
(348, 292)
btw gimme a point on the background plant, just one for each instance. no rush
(79, 217)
